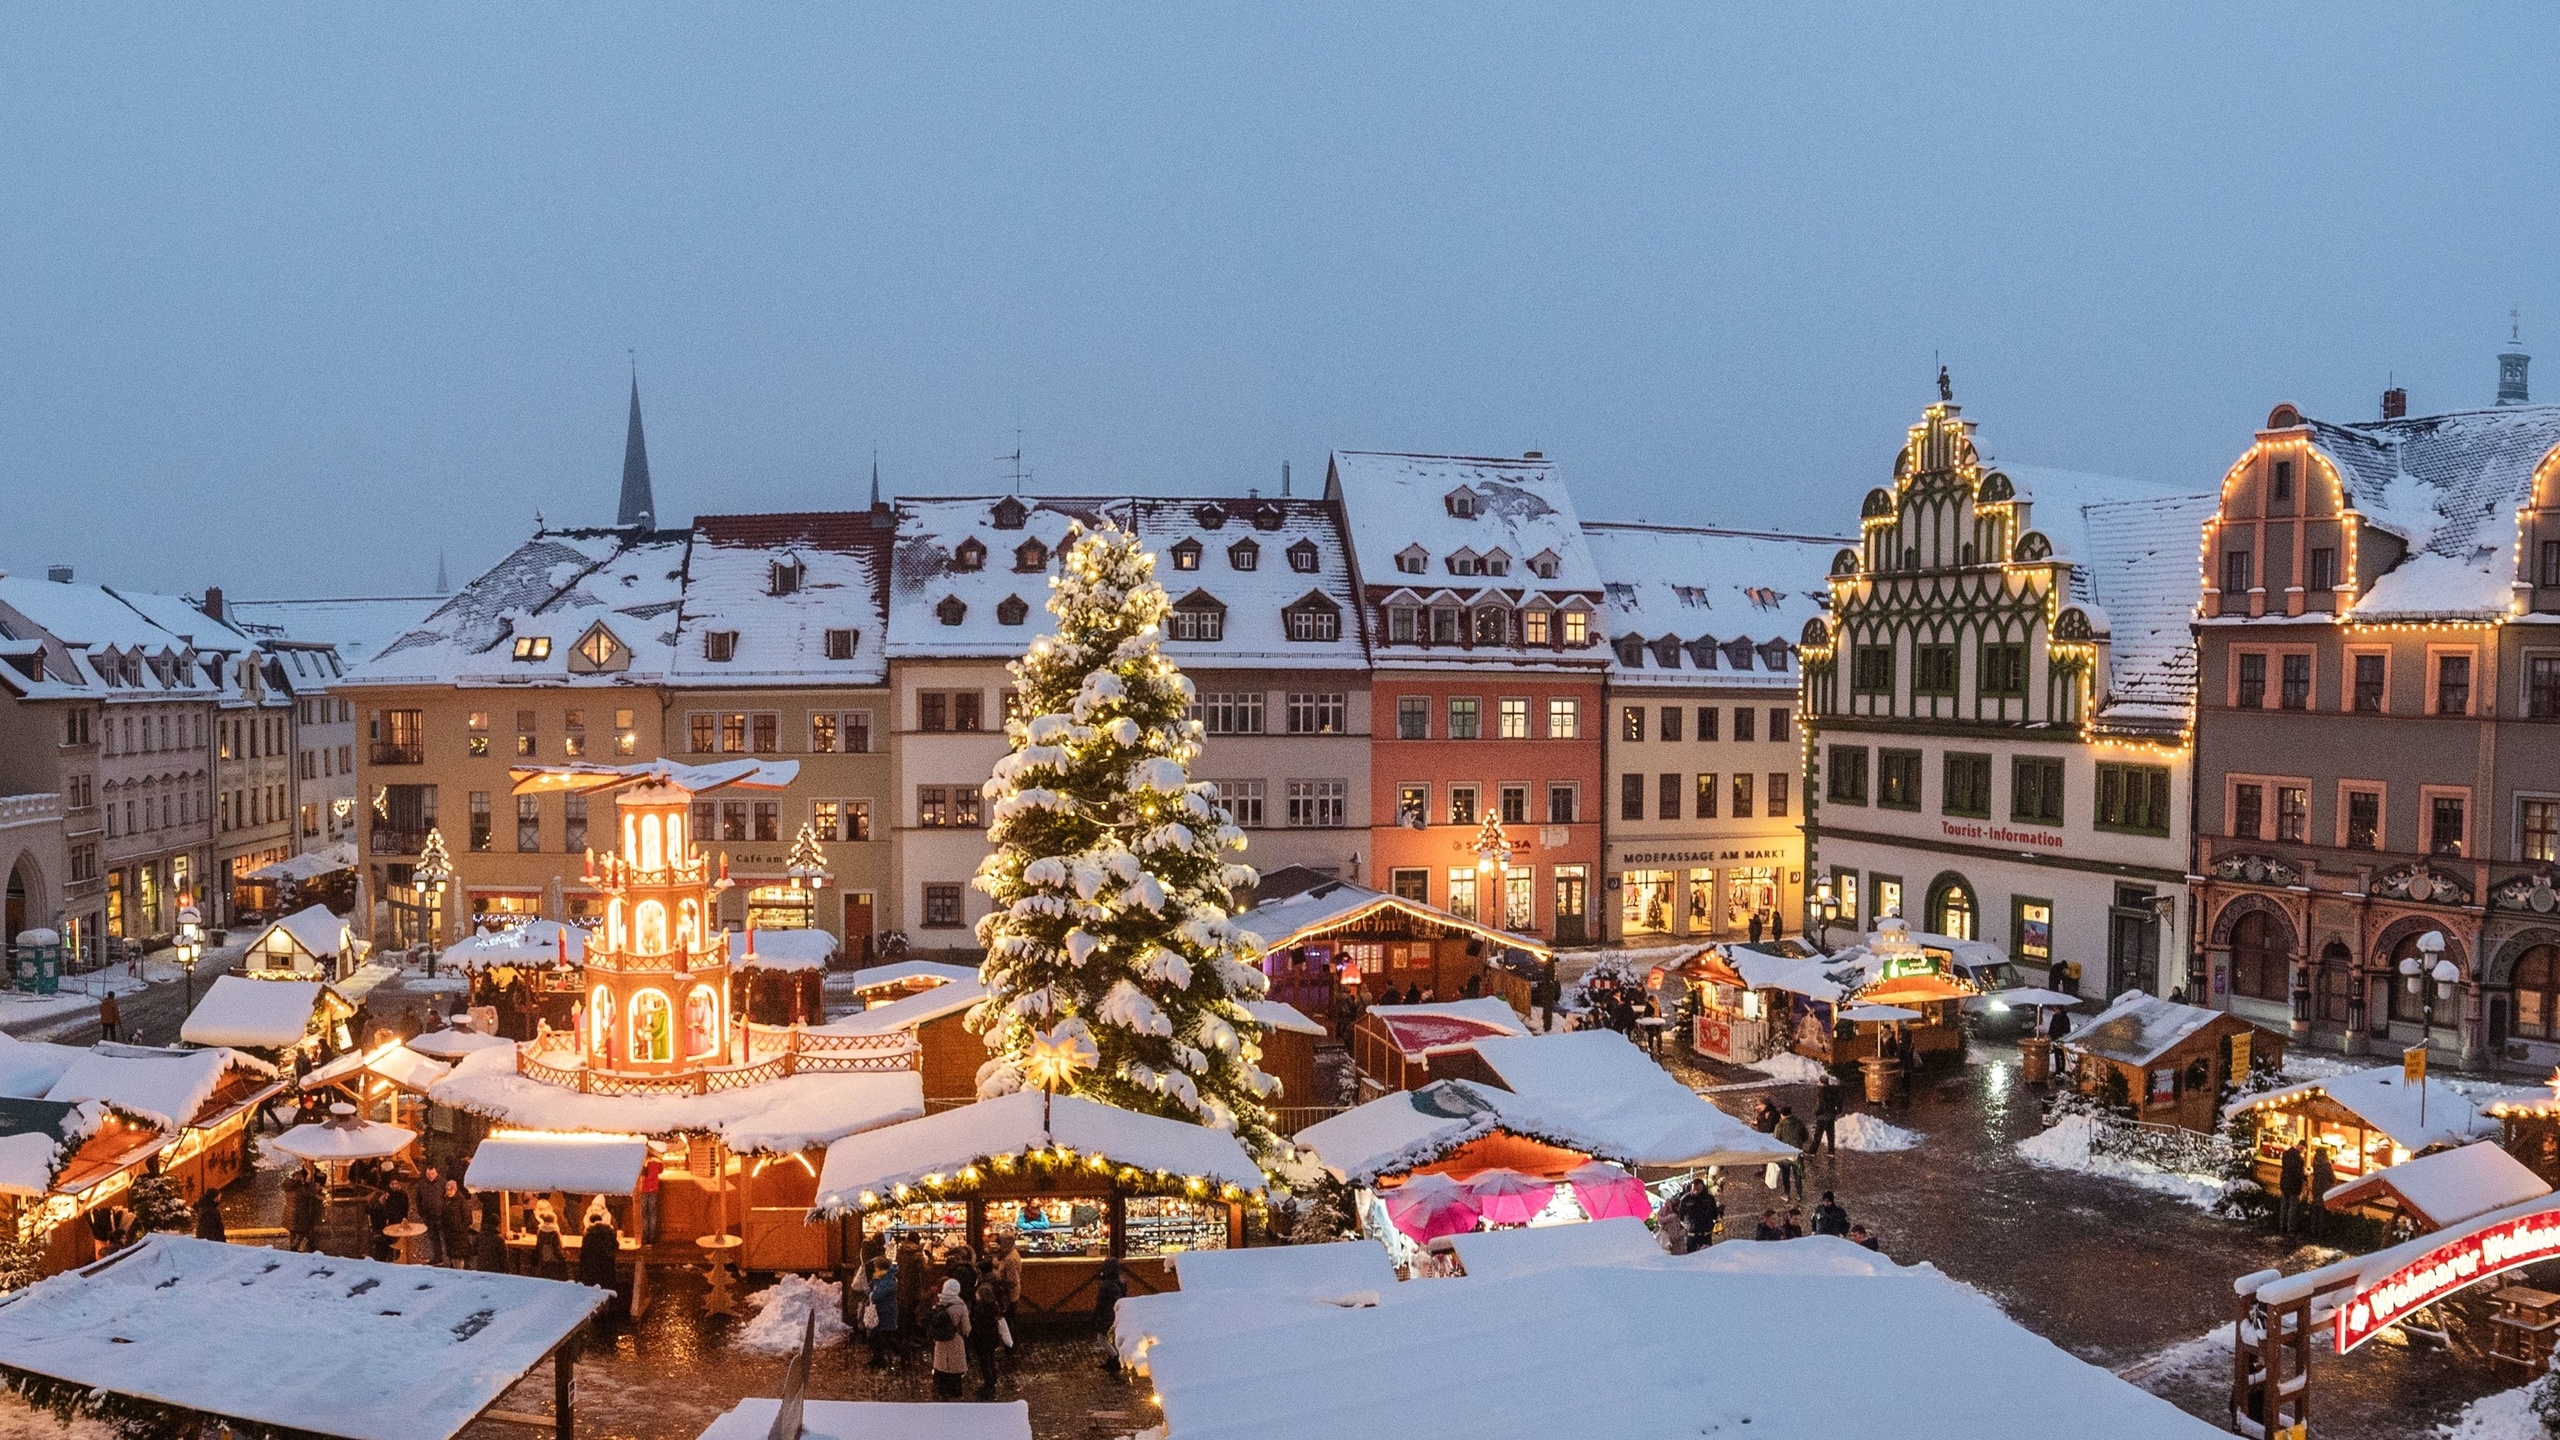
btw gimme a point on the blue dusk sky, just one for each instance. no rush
(296, 296)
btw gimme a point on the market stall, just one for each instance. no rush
(2164, 1062)
(1405, 1047)
(2367, 1120)
(309, 944)
(948, 1054)
(1072, 1181)
(1331, 935)
(272, 1019)
(1289, 1042)
(781, 975)
(880, 984)
(2529, 1127)
(2439, 1190)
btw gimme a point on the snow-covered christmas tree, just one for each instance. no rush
(1111, 878)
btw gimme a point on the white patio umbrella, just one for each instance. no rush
(343, 1139)
(1879, 1014)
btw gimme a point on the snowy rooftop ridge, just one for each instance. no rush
(1262, 562)
(1699, 606)
(970, 577)
(2449, 486)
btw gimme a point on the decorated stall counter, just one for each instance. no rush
(651, 1045)
(1072, 1181)
(2367, 1120)
(272, 1019)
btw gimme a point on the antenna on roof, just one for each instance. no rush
(1284, 479)
(1019, 474)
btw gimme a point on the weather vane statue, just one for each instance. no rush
(1946, 387)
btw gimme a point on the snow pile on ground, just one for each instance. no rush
(782, 1311)
(1861, 1131)
(2207, 1356)
(2507, 1415)
(2070, 1145)
(2300, 1066)
(1792, 1068)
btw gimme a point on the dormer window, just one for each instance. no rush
(1211, 517)
(598, 650)
(1577, 628)
(1466, 562)
(1266, 516)
(1631, 652)
(840, 644)
(787, 577)
(1666, 652)
(1030, 557)
(1198, 616)
(1773, 656)
(1544, 564)
(530, 648)
(1313, 617)
(1737, 652)
(720, 646)
(1537, 627)
(1186, 554)
(1462, 502)
(1492, 625)
(1244, 555)
(1303, 557)
(1413, 560)
(1009, 513)
(1497, 563)
(1011, 610)
(952, 610)
(971, 555)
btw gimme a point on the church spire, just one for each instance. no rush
(2512, 389)
(638, 507)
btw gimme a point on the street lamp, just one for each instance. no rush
(2430, 964)
(1493, 869)
(1826, 906)
(189, 948)
(432, 873)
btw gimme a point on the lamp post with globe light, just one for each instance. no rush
(189, 948)
(432, 873)
(1826, 909)
(2416, 970)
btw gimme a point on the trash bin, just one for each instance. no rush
(1883, 1073)
(2035, 1056)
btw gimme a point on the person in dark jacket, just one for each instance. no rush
(388, 1209)
(1765, 1118)
(1826, 1114)
(1794, 1228)
(456, 1206)
(1859, 1236)
(2289, 1182)
(1768, 1227)
(985, 1310)
(2323, 1175)
(427, 1204)
(489, 1246)
(910, 1272)
(2059, 1026)
(209, 1215)
(1790, 1130)
(1108, 1291)
(1699, 1212)
(599, 1251)
(1830, 1217)
(884, 1303)
(302, 1206)
(550, 1260)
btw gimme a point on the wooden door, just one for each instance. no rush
(857, 928)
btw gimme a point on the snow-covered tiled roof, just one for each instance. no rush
(1520, 507)
(833, 568)
(359, 626)
(1707, 607)
(1273, 537)
(549, 590)
(2449, 486)
(88, 639)
(940, 605)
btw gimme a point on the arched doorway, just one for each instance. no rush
(18, 910)
(1952, 910)
(2340, 1005)
(2534, 984)
(2260, 957)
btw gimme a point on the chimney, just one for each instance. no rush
(1533, 454)
(212, 601)
(58, 574)
(2395, 403)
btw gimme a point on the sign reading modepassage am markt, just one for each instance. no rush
(2445, 1269)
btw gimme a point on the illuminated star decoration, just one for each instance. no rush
(2554, 1083)
(1058, 1054)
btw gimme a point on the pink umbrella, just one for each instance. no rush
(1509, 1197)
(1607, 1192)
(1427, 1207)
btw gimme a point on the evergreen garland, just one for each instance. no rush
(1111, 887)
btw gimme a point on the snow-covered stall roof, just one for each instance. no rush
(313, 929)
(1708, 608)
(880, 977)
(1435, 1027)
(550, 592)
(1343, 1267)
(310, 865)
(251, 1013)
(1477, 1358)
(787, 949)
(753, 1419)
(863, 1169)
(1310, 913)
(352, 1348)
(930, 572)
(789, 1114)
(28, 1068)
(578, 1164)
(2449, 1186)
(532, 943)
(1250, 555)
(1281, 1015)
(453, 1042)
(411, 1070)
(908, 1011)
(1507, 1254)
(36, 1137)
(2385, 1100)
(2449, 486)
(168, 1088)
(1596, 1082)
(780, 583)
(2140, 1028)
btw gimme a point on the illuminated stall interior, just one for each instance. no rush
(2366, 1120)
(1331, 934)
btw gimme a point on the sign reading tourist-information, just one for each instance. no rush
(2445, 1269)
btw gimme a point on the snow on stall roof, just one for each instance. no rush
(880, 976)
(28, 1159)
(29, 1068)
(2387, 1102)
(1257, 600)
(1404, 1129)
(36, 1136)
(1435, 1026)
(753, 1419)
(1342, 1267)
(787, 949)
(252, 1014)
(453, 1042)
(581, 1164)
(2449, 1186)
(2139, 1028)
(168, 1088)
(310, 864)
(533, 941)
(1597, 1083)
(843, 560)
(1281, 1015)
(359, 626)
(877, 1161)
(923, 574)
(2449, 486)
(910, 1010)
(312, 927)
(353, 1348)
(792, 1113)
(1720, 594)
(1450, 1359)
(1507, 1254)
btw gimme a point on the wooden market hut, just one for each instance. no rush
(1332, 935)
(2529, 1128)
(2442, 1189)
(2170, 1060)
(309, 944)
(1289, 1041)
(780, 976)
(947, 1053)
(273, 1019)
(2368, 1120)
(1405, 1047)
(1071, 1179)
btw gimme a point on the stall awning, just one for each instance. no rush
(578, 1164)
(866, 1169)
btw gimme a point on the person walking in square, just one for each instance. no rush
(2289, 1182)
(1826, 1114)
(1790, 1131)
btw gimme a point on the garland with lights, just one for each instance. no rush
(1112, 890)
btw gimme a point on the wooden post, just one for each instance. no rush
(564, 1388)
